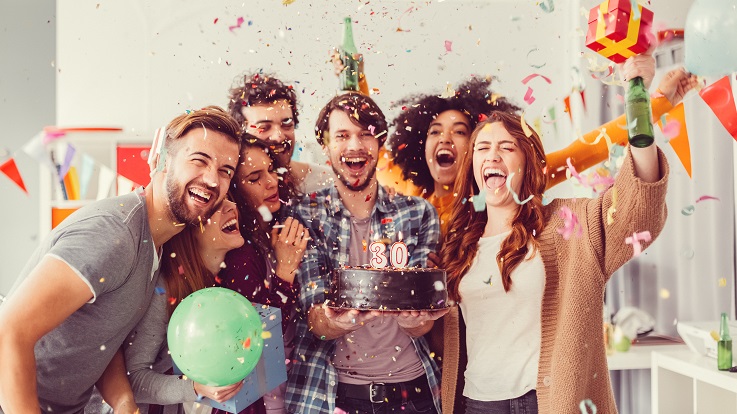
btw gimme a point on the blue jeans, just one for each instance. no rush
(414, 406)
(526, 404)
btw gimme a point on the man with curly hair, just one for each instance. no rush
(267, 109)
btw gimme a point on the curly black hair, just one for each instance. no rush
(256, 88)
(407, 143)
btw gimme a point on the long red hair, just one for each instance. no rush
(466, 226)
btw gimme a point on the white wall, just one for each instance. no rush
(136, 64)
(27, 104)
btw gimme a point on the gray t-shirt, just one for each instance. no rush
(380, 351)
(109, 245)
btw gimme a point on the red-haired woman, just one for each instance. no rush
(529, 278)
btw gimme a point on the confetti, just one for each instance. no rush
(571, 225)
(238, 25)
(265, 213)
(635, 241)
(664, 293)
(671, 130)
(102, 347)
(479, 201)
(612, 209)
(706, 197)
(722, 282)
(508, 183)
(688, 210)
(533, 76)
(587, 407)
(714, 335)
(448, 46)
(159, 290)
(534, 58)
(525, 128)
(247, 343)
(266, 334)
(287, 2)
(528, 98)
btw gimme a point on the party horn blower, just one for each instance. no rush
(618, 31)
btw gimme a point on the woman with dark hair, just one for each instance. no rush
(431, 134)
(264, 268)
(529, 278)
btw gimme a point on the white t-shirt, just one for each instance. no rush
(503, 328)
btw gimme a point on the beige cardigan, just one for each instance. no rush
(573, 365)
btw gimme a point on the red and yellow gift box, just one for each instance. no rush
(616, 32)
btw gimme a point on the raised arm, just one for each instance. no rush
(25, 318)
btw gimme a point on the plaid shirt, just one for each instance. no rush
(313, 381)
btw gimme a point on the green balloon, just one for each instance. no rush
(214, 336)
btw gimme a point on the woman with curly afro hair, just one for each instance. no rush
(431, 135)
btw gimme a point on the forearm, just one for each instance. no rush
(321, 326)
(585, 154)
(647, 166)
(17, 376)
(113, 384)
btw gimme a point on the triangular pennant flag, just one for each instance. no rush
(104, 181)
(720, 99)
(125, 185)
(10, 169)
(85, 174)
(673, 125)
(67, 160)
(36, 150)
(583, 100)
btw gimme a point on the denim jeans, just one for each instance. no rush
(526, 404)
(414, 406)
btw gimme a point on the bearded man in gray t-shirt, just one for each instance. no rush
(91, 280)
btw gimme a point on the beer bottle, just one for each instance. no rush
(639, 114)
(349, 76)
(724, 346)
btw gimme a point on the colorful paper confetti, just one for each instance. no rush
(508, 183)
(571, 225)
(635, 240)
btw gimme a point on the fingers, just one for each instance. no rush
(640, 65)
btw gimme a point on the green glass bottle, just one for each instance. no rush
(724, 346)
(639, 114)
(349, 76)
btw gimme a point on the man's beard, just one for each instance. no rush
(352, 185)
(176, 196)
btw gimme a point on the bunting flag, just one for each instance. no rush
(68, 156)
(36, 150)
(10, 169)
(85, 174)
(567, 103)
(104, 181)
(720, 98)
(125, 185)
(673, 125)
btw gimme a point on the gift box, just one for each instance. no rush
(617, 32)
(271, 370)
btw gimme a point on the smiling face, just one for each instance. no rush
(496, 155)
(447, 142)
(198, 174)
(274, 123)
(256, 179)
(220, 232)
(353, 151)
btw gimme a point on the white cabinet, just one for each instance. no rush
(684, 382)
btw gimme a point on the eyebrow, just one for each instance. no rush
(271, 121)
(465, 124)
(504, 141)
(205, 155)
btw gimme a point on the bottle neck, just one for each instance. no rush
(637, 82)
(348, 44)
(724, 328)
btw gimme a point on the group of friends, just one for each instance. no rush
(228, 206)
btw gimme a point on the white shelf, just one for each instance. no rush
(639, 356)
(684, 382)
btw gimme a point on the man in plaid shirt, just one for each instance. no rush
(360, 361)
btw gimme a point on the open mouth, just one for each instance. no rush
(280, 147)
(230, 226)
(494, 177)
(445, 158)
(354, 164)
(272, 199)
(199, 195)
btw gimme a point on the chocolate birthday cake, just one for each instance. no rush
(388, 289)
